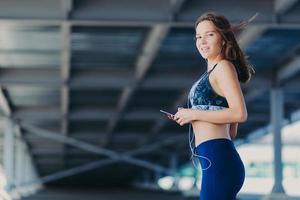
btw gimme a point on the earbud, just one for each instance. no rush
(223, 43)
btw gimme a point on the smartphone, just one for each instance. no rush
(167, 113)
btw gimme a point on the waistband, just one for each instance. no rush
(217, 141)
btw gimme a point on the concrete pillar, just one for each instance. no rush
(8, 157)
(19, 162)
(276, 123)
(26, 170)
(23, 177)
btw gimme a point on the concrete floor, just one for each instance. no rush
(93, 194)
(123, 194)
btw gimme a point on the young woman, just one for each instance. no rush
(217, 106)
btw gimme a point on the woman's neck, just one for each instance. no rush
(212, 61)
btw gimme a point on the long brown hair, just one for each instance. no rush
(231, 49)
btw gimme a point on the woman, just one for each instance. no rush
(217, 107)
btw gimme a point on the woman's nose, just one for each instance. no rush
(202, 41)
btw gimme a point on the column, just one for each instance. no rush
(276, 124)
(8, 154)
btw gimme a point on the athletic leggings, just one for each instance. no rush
(225, 177)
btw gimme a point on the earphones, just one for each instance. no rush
(191, 140)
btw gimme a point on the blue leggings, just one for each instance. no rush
(225, 177)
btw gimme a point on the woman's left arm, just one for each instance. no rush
(227, 80)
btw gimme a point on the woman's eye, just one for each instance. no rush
(211, 34)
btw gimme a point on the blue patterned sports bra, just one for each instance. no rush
(203, 96)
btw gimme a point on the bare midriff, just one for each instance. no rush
(206, 131)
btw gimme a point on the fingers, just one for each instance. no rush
(176, 118)
(171, 117)
(179, 121)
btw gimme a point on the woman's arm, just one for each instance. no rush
(233, 130)
(227, 80)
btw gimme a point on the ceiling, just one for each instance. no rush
(85, 80)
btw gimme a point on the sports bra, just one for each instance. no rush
(203, 96)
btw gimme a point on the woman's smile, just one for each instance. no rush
(205, 49)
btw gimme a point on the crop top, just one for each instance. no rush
(203, 96)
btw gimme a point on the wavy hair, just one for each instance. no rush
(231, 49)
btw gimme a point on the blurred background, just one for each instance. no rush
(82, 83)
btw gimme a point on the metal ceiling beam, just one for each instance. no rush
(4, 103)
(293, 86)
(81, 114)
(178, 24)
(143, 63)
(123, 101)
(283, 6)
(127, 23)
(256, 87)
(84, 115)
(176, 6)
(250, 34)
(97, 80)
(91, 148)
(92, 23)
(67, 7)
(151, 47)
(119, 137)
(32, 76)
(65, 71)
(254, 93)
(170, 81)
(102, 80)
(289, 70)
(283, 74)
(38, 114)
(104, 162)
(66, 49)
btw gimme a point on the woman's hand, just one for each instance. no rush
(171, 117)
(183, 116)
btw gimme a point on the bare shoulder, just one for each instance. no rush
(226, 69)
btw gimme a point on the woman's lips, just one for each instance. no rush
(204, 49)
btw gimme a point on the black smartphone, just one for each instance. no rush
(167, 113)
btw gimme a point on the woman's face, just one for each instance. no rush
(208, 40)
